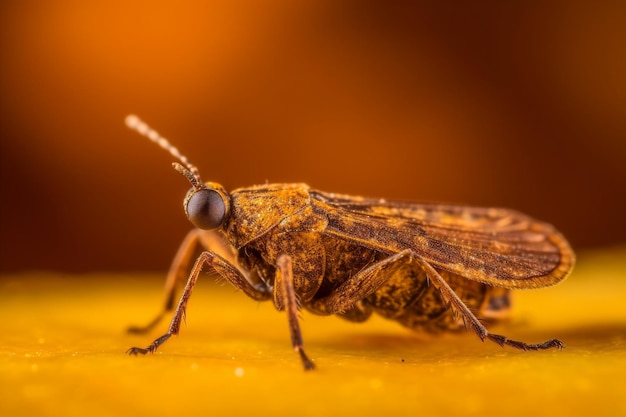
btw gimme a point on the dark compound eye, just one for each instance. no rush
(206, 209)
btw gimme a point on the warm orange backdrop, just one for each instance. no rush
(509, 104)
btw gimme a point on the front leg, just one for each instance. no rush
(178, 271)
(194, 243)
(225, 269)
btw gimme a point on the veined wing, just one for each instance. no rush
(500, 247)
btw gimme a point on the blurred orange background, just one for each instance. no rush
(504, 104)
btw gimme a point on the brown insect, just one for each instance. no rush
(431, 267)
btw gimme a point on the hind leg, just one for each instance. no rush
(457, 305)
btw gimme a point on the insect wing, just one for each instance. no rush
(499, 247)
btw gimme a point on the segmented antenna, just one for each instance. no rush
(189, 170)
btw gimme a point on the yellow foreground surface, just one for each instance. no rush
(62, 345)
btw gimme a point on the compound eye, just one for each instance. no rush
(206, 209)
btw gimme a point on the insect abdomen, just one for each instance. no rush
(410, 300)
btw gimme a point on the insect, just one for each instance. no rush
(431, 267)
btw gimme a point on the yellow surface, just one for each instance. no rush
(62, 348)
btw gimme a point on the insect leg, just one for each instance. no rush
(361, 284)
(177, 273)
(459, 306)
(224, 268)
(285, 278)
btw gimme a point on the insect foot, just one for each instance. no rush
(134, 351)
(503, 340)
